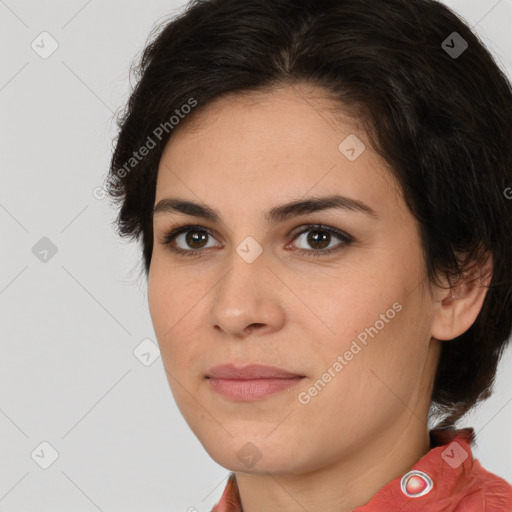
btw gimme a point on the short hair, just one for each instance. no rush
(433, 101)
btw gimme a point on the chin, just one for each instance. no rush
(264, 465)
(254, 454)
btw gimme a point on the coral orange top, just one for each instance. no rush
(446, 479)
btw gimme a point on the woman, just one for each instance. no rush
(319, 188)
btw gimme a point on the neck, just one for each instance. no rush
(344, 485)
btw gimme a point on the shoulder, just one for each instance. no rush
(485, 491)
(464, 484)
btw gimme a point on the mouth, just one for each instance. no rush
(252, 382)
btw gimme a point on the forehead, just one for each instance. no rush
(282, 115)
(278, 144)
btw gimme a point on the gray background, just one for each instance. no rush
(70, 371)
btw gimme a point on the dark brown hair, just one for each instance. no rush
(434, 103)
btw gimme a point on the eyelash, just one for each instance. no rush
(171, 235)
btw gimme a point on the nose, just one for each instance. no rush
(248, 298)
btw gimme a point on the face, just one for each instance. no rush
(333, 293)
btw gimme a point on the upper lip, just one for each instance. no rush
(251, 371)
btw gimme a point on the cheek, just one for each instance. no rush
(351, 308)
(172, 315)
(375, 330)
(174, 308)
(173, 295)
(379, 306)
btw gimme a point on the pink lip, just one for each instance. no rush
(251, 371)
(252, 382)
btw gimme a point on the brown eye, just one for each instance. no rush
(188, 240)
(192, 240)
(195, 239)
(319, 239)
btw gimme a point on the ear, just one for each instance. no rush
(456, 309)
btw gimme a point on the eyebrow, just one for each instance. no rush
(274, 215)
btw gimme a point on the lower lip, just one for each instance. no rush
(251, 389)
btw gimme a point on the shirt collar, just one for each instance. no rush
(446, 477)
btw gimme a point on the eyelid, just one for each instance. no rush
(171, 234)
(345, 238)
(304, 228)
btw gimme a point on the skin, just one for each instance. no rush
(243, 155)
